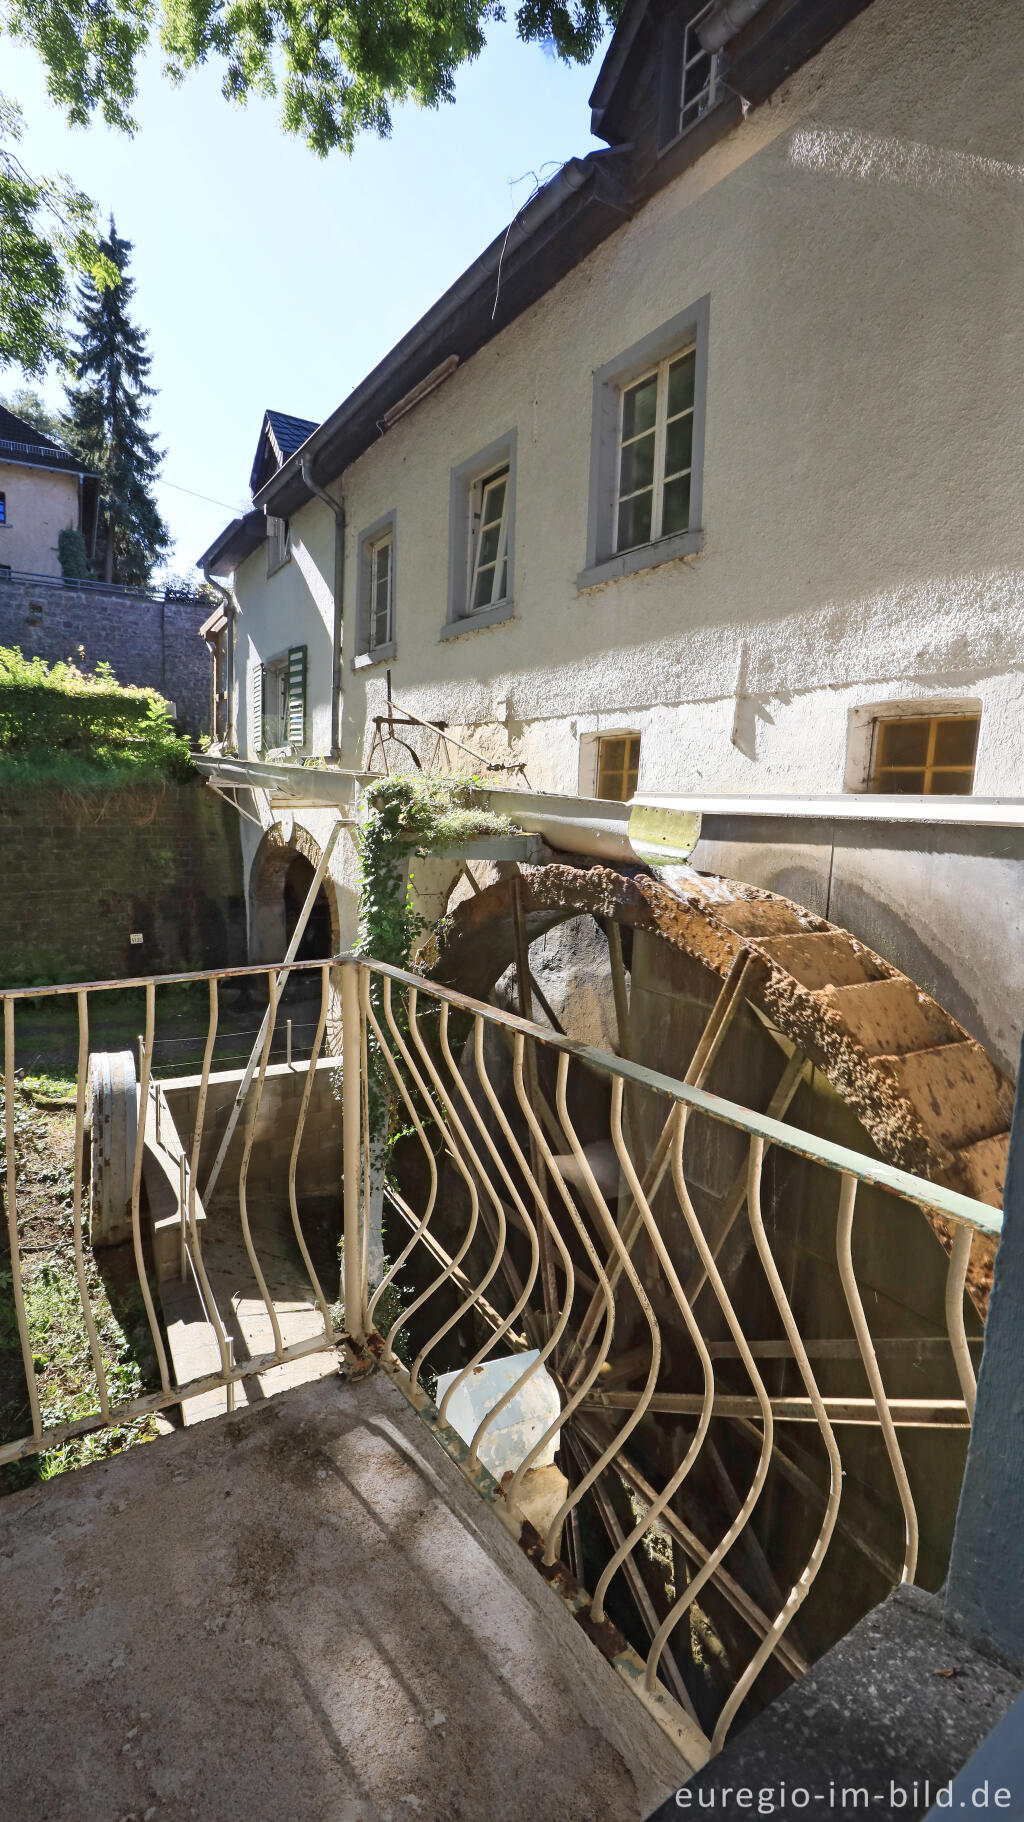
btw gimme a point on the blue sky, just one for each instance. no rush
(267, 276)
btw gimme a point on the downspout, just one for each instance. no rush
(338, 509)
(228, 597)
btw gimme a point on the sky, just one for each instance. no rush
(266, 276)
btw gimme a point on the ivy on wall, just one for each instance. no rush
(409, 814)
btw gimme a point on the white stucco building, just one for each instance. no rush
(716, 488)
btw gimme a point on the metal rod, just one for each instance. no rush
(352, 1149)
(290, 954)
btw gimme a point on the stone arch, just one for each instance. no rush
(279, 879)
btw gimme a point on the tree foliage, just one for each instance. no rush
(47, 237)
(28, 404)
(338, 66)
(108, 420)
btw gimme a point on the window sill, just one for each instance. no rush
(485, 616)
(644, 556)
(364, 661)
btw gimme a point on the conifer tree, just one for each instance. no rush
(108, 423)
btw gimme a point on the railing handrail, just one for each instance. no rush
(950, 1203)
(923, 1194)
(128, 591)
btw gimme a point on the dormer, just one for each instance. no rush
(281, 435)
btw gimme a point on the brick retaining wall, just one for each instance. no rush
(147, 642)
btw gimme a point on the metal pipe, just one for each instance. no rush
(290, 954)
(337, 507)
(724, 19)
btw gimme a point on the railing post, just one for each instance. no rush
(352, 1140)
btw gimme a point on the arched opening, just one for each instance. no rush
(316, 942)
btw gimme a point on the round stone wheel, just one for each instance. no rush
(113, 1116)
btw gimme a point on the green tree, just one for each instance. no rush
(48, 237)
(27, 403)
(339, 66)
(108, 421)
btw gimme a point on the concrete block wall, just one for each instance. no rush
(318, 1171)
(155, 643)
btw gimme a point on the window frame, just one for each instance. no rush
(275, 672)
(863, 738)
(382, 531)
(279, 543)
(469, 479)
(604, 562)
(630, 737)
(713, 86)
(660, 480)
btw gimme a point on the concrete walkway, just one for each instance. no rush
(301, 1611)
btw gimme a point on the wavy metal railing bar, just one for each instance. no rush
(243, 1172)
(844, 1251)
(185, 1161)
(499, 1175)
(95, 1352)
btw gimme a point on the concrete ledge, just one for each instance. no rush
(881, 1710)
(303, 1611)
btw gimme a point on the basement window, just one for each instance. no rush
(925, 755)
(618, 766)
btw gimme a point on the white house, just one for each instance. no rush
(708, 478)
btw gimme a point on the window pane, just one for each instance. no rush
(484, 585)
(636, 469)
(494, 502)
(680, 383)
(956, 741)
(675, 515)
(903, 742)
(639, 405)
(678, 444)
(902, 784)
(951, 784)
(635, 521)
(489, 543)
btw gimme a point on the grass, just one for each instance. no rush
(66, 1382)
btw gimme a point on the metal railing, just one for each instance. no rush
(559, 1203)
(128, 591)
(597, 1259)
(183, 1161)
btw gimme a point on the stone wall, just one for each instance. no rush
(146, 641)
(81, 871)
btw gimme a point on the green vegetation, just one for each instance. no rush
(107, 422)
(48, 238)
(410, 813)
(61, 725)
(74, 561)
(44, 1155)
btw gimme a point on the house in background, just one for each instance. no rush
(44, 490)
(706, 479)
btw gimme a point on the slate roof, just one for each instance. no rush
(22, 442)
(280, 436)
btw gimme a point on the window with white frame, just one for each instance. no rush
(647, 451)
(279, 546)
(381, 598)
(480, 579)
(656, 453)
(699, 79)
(375, 631)
(488, 557)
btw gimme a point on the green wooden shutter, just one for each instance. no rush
(256, 708)
(296, 721)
